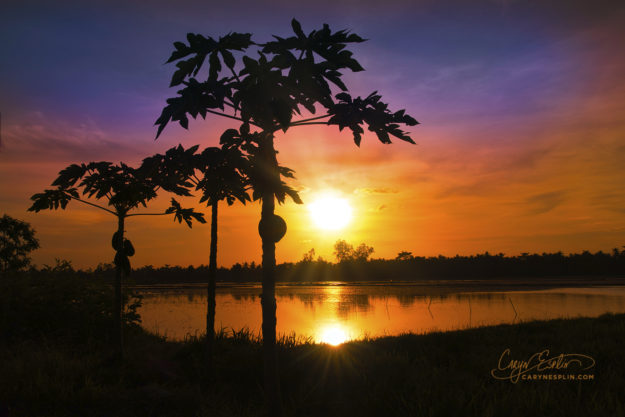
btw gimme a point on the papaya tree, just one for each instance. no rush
(124, 189)
(269, 87)
(218, 174)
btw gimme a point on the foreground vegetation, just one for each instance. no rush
(56, 361)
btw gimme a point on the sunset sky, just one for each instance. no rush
(521, 146)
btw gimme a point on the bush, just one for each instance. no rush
(57, 303)
(17, 240)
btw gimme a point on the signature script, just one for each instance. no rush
(512, 369)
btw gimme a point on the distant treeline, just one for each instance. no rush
(404, 268)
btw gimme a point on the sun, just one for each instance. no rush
(330, 212)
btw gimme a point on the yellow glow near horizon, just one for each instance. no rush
(330, 212)
(333, 335)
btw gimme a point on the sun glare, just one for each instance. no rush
(330, 212)
(333, 335)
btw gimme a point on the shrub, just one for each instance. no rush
(57, 303)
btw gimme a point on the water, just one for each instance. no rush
(336, 313)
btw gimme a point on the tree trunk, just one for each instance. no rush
(268, 297)
(118, 335)
(212, 279)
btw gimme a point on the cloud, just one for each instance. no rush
(544, 202)
(381, 190)
(45, 140)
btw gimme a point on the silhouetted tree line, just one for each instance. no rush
(404, 268)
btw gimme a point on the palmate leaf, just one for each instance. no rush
(215, 66)
(186, 214)
(173, 170)
(280, 192)
(353, 113)
(262, 180)
(297, 28)
(70, 175)
(200, 47)
(52, 199)
(195, 99)
(222, 172)
(235, 41)
(242, 139)
(293, 194)
(324, 43)
(286, 172)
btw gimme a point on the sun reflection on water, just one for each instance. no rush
(333, 334)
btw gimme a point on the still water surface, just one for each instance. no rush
(336, 313)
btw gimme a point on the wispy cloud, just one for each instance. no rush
(381, 190)
(46, 140)
(544, 202)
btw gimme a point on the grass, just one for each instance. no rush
(439, 374)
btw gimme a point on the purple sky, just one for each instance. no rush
(521, 146)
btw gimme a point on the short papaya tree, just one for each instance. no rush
(124, 189)
(272, 91)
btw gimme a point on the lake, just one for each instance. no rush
(335, 312)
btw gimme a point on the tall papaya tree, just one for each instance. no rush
(290, 82)
(124, 189)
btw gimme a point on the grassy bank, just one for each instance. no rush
(446, 374)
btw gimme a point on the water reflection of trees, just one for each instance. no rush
(362, 299)
(345, 301)
(240, 296)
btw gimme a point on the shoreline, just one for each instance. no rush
(459, 285)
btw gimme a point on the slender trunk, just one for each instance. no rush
(212, 279)
(268, 297)
(118, 337)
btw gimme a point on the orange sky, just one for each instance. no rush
(524, 154)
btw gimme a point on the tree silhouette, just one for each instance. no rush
(17, 240)
(218, 173)
(404, 256)
(363, 252)
(309, 256)
(345, 252)
(125, 189)
(289, 76)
